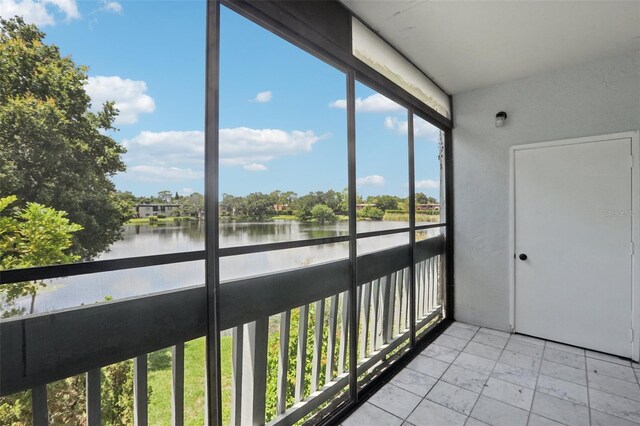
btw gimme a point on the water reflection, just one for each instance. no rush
(142, 240)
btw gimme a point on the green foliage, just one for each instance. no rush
(371, 213)
(273, 353)
(117, 393)
(423, 199)
(54, 150)
(165, 196)
(192, 205)
(384, 202)
(31, 236)
(67, 399)
(322, 213)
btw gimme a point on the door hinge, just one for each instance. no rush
(631, 334)
(632, 247)
(631, 161)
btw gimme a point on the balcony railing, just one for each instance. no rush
(39, 349)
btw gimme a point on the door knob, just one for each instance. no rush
(523, 256)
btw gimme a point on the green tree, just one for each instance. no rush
(384, 202)
(54, 150)
(32, 236)
(322, 213)
(165, 196)
(67, 399)
(421, 198)
(258, 205)
(372, 213)
(192, 205)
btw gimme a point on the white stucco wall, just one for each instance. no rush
(596, 98)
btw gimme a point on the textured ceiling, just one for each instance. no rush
(464, 45)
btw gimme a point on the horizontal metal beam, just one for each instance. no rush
(94, 267)
(380, 263)
(43, 348)
(430, 226)
(283, 245)
(249, 299)
(383, 232)
(83, 268)
(429, 248)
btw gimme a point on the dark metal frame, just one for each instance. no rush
(284, 19)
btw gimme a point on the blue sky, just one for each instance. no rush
(282, 115)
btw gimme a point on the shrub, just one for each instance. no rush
(322, 213)
(371, 213)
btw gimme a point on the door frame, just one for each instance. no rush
(635, 225)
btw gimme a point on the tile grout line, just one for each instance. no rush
(504, 348)
(586, 373)
(423, 397)
(485, 383)
(443, 373)
(617, 417)
(535, 387)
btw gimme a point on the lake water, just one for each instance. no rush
(143, 240)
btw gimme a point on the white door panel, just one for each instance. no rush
(572, 222)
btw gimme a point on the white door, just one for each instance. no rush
(573, 223)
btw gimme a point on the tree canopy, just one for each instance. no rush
(53, 149)
(32, 236)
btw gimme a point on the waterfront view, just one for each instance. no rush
(181, 236)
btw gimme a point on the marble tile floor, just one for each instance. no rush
(476, 376)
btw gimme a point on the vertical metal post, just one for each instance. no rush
(39, 406)
(448, 297)
(301, 360)
(212, 281)
(331, 341)
(140, 400)
(412, 229)
(177, 388)
(283, 361)
(93, 397)
(254, 374)
(353, 254)
(316, 363)
(237, 351)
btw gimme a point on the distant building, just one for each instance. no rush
(429, 206)
(280, 207)
(147, 210)
(362, 206)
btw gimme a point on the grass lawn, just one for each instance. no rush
(194, 370)
(404, 217)
(285, 217)
(145, 220)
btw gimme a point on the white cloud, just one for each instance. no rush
(112, 6)
(242, 146)
(255, 167)
(427, 184)
(421, 128)
(187, 191)
(180, 154)
(129, 96)
(263, 97)
(40, 12)
(172, 148)
(373, 103)
(373, 180)
(147, 173)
